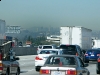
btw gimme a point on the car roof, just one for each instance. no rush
(93, 49)
(68, 44)
(64, 55)
(51, 49)
(47, 45)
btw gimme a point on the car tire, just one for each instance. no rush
(86, 61)
(37, 69)
(98, 71)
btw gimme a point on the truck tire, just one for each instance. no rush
(18, 72)
(7, 72)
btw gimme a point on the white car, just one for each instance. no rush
(43, 55)
(40, 47)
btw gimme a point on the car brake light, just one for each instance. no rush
(98, 54)
(86, 54)
(98, 60)
(1, 66)
(44, 71)
(76, 54)
(38, 58)
(71, 72)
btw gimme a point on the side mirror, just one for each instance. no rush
(17, 58)
(86, 65)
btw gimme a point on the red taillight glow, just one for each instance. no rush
(71, 72)
(98, 60)
(98, 54)
(38, 58)
(86, 54)
(44, 71)
(76, 54)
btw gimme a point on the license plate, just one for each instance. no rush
(92, 55)
(57, 73)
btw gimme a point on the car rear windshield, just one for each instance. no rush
(93, 50)
(48, 52)
(47, 47)
(68, 47)
(61, 61)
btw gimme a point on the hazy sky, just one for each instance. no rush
(30, 13)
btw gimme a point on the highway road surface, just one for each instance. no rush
(27, 66)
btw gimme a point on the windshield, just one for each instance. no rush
(61, 60)
(48, 52)
(94, 50)
(68, 47)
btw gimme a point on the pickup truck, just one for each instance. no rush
(8, 61)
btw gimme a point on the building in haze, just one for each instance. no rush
(2, 28)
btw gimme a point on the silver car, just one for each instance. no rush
(64, 65)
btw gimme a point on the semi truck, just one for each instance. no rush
(76, 35)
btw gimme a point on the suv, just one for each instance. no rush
(72, 50)
(40, 47)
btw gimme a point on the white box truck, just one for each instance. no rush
(76, 35)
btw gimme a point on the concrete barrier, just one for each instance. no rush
(21, 51)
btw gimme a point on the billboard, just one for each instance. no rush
(13, 29)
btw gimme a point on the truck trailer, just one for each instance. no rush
(76, 35)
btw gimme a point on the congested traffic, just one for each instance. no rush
(65, 60)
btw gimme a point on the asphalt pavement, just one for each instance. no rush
(28, 68)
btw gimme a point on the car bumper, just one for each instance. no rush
(39, 63)
(91, 58)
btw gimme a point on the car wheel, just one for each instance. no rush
(98, 71)
(86, 61)
(37, 69)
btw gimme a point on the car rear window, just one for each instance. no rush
(93, 50)
(68, 47)
(61, 61)
(48, 52)
(47, 47)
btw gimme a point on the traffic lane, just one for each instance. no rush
(27, 65)
(92, 68)
(28, 68)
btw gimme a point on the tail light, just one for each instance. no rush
(0, 56)
(44, 71)
(76, 54)
(38, 58)
(98, 60)
(86, 54)
(98, 54)
(71, 72)
(1, 66)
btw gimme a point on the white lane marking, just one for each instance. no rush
(31, 70)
